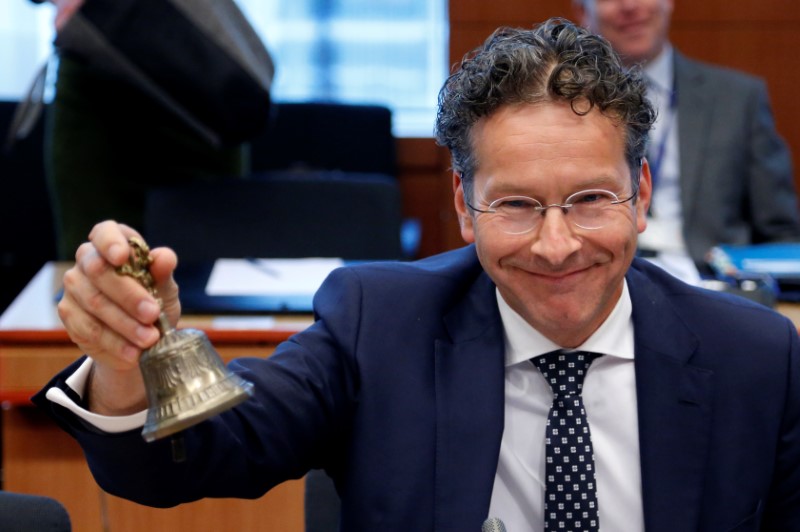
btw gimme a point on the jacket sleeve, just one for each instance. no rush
(303, 398)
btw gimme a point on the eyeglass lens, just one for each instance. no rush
(588, 209)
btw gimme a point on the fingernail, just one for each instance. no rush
(148, 310)
(116, 253)
(146, 334)
(130, 353)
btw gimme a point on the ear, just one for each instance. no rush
(645, 196)
(465, 220)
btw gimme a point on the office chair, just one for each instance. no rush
(278, 215)
(27, 204)
(32, 513)
(337, 137)
(327, 136)
(322, 505)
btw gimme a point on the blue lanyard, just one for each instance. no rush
(657, 159)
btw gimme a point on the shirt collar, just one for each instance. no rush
(660, 71)
(614, 337)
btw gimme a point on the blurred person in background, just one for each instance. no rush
(107, 142)
(721, 173)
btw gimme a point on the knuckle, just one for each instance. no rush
(82, 251)
(70, 279)
(91, 334)
(95, 302)
(94, 266)
(64, 311)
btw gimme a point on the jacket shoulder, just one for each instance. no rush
(728, 77)
(700, 308)
(434, 282)
(453, 267)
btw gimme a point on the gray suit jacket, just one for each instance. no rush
(736, 172)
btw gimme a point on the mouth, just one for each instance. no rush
(633, 27)
(560, 276)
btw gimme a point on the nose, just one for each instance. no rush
(555, 239)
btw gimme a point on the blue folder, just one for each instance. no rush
(779, 262)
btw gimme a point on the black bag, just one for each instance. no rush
(201, 59)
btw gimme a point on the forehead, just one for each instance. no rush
(520, 145)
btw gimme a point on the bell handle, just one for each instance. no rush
(138, 267)
(162, 324)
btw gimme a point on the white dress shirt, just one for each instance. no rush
(77, 382)
(663, 152)
(609, 395)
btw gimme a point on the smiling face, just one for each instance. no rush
(637, 29)
(563, 280)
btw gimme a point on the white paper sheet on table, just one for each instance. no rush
(265, 277)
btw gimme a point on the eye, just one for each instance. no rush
(514, 204)
(592, 197)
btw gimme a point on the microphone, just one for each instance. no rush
(493, 524)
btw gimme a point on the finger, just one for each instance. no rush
(86, 300)
(95, 338)
(164, 263)
(92, 273)
(111, 241)
(163, 267)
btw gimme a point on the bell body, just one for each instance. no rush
(186, 382)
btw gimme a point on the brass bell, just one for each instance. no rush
(186, 382)
(185, 379)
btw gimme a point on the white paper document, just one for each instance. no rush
(679, 265)
(269, 277)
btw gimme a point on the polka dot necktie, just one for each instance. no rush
(570, 487)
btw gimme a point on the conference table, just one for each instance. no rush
(39, 458)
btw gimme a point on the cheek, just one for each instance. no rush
(493, 246)
(618, 241)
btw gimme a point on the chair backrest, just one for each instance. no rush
(30, 513)
(26, 204)
(327, 136)
(279, 215)
(321, 503)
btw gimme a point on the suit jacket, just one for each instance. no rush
(736, 172)
(397, 390)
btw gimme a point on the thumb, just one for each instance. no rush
(162, 269)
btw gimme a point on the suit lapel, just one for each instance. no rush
(694, 121)
(469, 410)
(675, 410)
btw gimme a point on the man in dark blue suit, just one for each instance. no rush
(424, 389)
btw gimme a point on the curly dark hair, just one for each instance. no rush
(554, 61)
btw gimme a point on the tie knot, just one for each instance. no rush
(565, 370)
